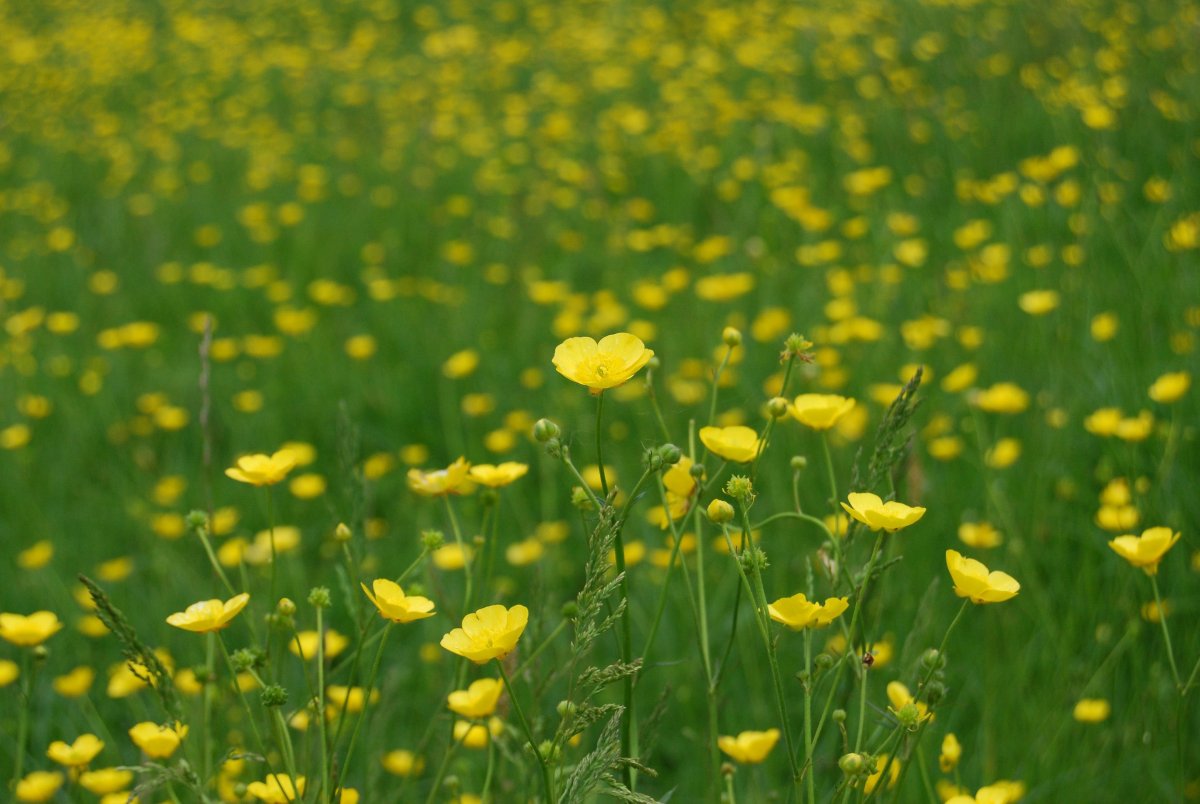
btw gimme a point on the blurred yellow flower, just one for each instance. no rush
(75, 683)
(279, 788)
(876, 514)
(396, 606)
(39, 786)
(1170, 387)
(749, 747)
(738, 443)
(820, 411)
(798, 612)
(304, 644)
(402, 762)
(349, 699)
(156, 741)
(973, 580)
(601, 365)
(478, 700)
(1038, 302)
(981, 535)
(36, 555)
(209, 615)
(76, 754)
(10, 671)
(451, 480)
(1092, 710)
(1003, 397)
(489, 633)
(491, 476)
(262, 470)
(951, 753)
(1147, 550)
(27, 631)
(104, 781)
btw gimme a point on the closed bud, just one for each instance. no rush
(839, 716)
(852, 764)
(654, 363)
(544, 430)
(731, 336)
(824, 661)
(652, 459)
(570, 610)
(670, 454)
(274, 695)
(565, 708)
(489, 497)
(933, 659)
(432, 539)
(777, 407)
(720, 512)
(548, 751)
(342, 532)
(728, 769)
(319, 597)
(934, 692)
(40, 653)
(696, 470)
(240, 789)
(799, 463)
(286, 607)
(554, 448)
(197, 520)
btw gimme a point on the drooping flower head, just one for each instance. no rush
(490, 633)
(601, 365)
(209, 615)
(973, 580)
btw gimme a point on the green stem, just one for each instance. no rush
(445, 764)
(808, 732)
(462, 548)
(202, 533)
(558, 629)
(565, 457)
(1162, 620)
(729, 795)
(370, 685)
(490, 773)
(600, 443)
(547, 784)
(326, 790)
(271, 526)
(28, 671)
(210, 650)
(650, 393)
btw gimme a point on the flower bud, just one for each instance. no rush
(544, 430)
(40, 653)
(432, 539)
(728, 769)
(839, 715)
(285, 607)
(570, 610)
(565, 708)
(720, 511)
(932, 659)
(696, 470)
(934, 692)
(777, 407)
(799, 463)
(274, 695)
(652, 459)
(824, 661)
(554, 448)
(319, 597)
(197, 520)
(740, 488)
(654, 363)
(909, 716)
(342, 533)
(581, 499)
(731, 336)
(852, 764)
(796, 345)
(670, 453)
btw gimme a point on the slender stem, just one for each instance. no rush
(202, 533)
(925, 781)
(650, 393)
(445, 764)
(729, 795)
(512, 697)
(326, 790)
(833, 492)
(600, 444)
(271, 526)
(210, 651)
(808, 732)
(795, 515)
(28, 670)
(490, 773)
(370, 685)
(1162, 620)
(558, 629)
(413, 566)
(862, 703)
(462, 549)
(1191, 678)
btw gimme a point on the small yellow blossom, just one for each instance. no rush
(27, 631)
(209, 615)
(601, 365)
(76, 754)
(277, 789)
(263, 470)
(403, 762)
(451, 480)
(478, 700)
(75, 683)
(155, 741)
(749, 747)
(1147, 550)
(973, 580)
(951, 753)
(396, 606)
(981, 535)
(1003, 397)
(104, 781)
(1170, 387)
(304, 644)
(873, 512)
(820, 411)
(489, 633)
(900, 697)
(39, 786)
(798, 612)
(1092, 710)
(496, 476)
(738, 443)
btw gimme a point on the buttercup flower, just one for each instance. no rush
(972, 579)
(490, 633)
(900, 697)
(105, 781)
(1170, 387)
(1003, 397)
(209, 615)
(951, 753)
(39, 786)
(496, 476)
(77, 754)
(478, 700)
(599, 366)
(876, 514)
(304, 644)
(1092, 710)
(28, 631)
(402, 762)
(797, 611)
(158, 742)
(277, 789)
(263, 470)
(1147, 550)
(738, 444)
(749, 747)
(820, 411)
(454, 479)
(396, 606)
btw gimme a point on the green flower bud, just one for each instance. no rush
(777, 407)
(581, 499)
(554, 448)
(40, 653)
(852, 764)
(799, 463)
(839, 715)
(824, 661)
(934, 692)
(285, 607)
(696, 470)
(932, 659)
(544, 430)
(720, 511)
(432, 539)
(197, 520)
(274, 695)
(342, 533)
(570, 610)
(731, 336)
(319, 597)
(670, 453)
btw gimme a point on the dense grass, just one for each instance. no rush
(353, 193)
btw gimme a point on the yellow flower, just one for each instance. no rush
(451, 480)
(277, 789)
(78, 753)
(209, 615)
(980, 535)
(749, 747)
(39, 786)
(451, 557)
(490, 633)
(351, 699)
(876, 514)
(1003, 397)
(31, 630)
(476, 735)
(524, 552)
(820, 411)
(158, 742)
(75, 683)
(900, 697)
(797, 611)
(1092, 710)
(881, 762)
(402, 762)
(951, 753)
(9, 672)
(36, 556)
(496, 476)
(478, 700)
(396, 606)
(304, 644)
(737, 443)
(105, 781)
(1039, 302)
(1147, 550)
(1170, 387)
(263, 470)
(599, 366)
(972, 579)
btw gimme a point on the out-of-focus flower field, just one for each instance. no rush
(356, 240)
